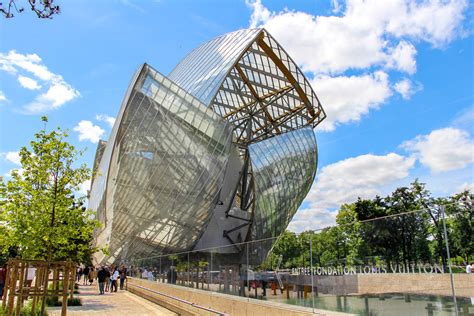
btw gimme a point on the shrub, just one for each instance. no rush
(26, 310)
(53, 301)
(74, 302)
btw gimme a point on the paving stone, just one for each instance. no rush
(111, 304)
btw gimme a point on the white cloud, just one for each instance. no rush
(312, 219)
(407, 88)
(259, 12)
(342, 182)
(105, 118)
(325, 44)
(466, 187)
(362, 172)
(28, 83)
(346, 99)
(464, 119)
(403, 58)
(371, 36)
(443, 149)
(57, 94)
(89, 131)
(364, 35)
(31, 63)
(2, 96)
(436, 22)
(84, 187)
(12, 156)
(58, 91)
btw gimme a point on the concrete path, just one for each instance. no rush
(111, 304)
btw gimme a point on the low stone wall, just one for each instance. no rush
(228, 304)
(436, 284)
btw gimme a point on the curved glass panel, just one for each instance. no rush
(202, 71)
(283, 168)
(166, 168)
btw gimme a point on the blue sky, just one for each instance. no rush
(395, 77)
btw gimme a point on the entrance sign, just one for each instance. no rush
(370, 269)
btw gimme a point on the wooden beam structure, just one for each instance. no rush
(256, 96)
(271, 54)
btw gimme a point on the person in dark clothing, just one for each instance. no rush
(122, 275)
(3, 278)
(101, 277)
(86, 275)
(79, 274)
(264, 288)
(107, 279)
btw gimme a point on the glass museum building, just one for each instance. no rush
(219, 152)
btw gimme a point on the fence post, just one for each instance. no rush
(66, 272)
(11, 294)
(443, 208)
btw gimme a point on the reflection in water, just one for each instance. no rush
(388, 304)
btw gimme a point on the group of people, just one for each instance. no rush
(106, 276)
(89, 274)
(151, 274)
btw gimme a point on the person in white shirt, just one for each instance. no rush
(469, 267)
(113, 279)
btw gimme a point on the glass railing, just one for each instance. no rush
(394, 265)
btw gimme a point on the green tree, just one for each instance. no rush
(412, 230)
(332, 246)
(378, 235)
(460, 213)
(350, 233)
(289, 248)
(40, 215)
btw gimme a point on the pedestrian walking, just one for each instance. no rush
(101, 277)
(86, 275)
(123, 276)
(91, 275)
(107, 278)
(113, 279)
(79, 273)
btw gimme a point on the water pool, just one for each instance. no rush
(388, 304)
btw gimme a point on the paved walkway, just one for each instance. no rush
(111, 304)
